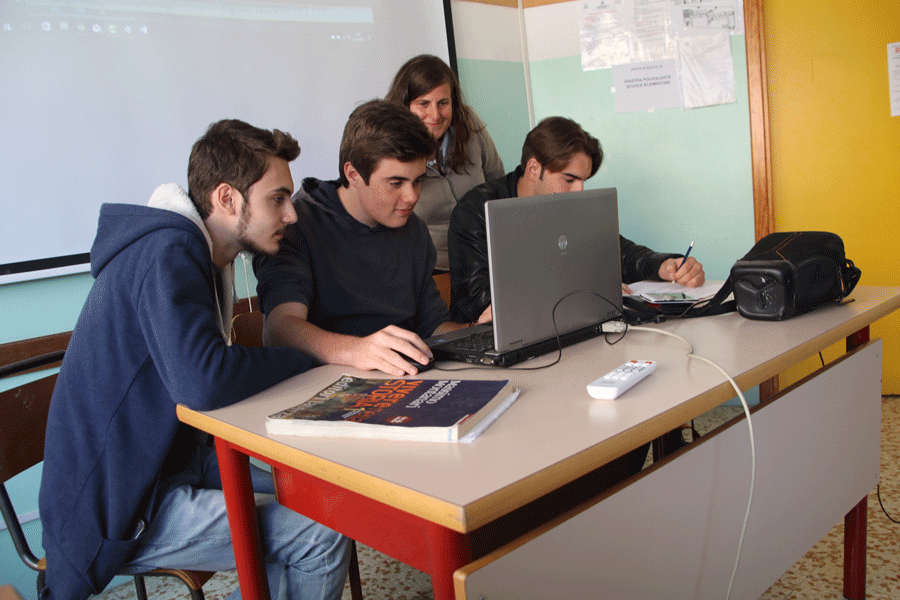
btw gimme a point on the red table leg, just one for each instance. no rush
(855, 552)
(448, 550)
(239, 501)
(428, 547)
(855, 522)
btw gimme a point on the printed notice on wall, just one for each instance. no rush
(646, 86)
(691, 35)
(607, 33)
(893, 51)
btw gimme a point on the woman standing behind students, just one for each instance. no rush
(466, 155)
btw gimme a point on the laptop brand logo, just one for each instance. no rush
(563, 242)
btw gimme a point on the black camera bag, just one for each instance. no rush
(789, 273)
(783, 275)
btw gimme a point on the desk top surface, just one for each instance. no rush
(555, 432)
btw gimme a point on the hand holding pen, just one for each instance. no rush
(685, 271)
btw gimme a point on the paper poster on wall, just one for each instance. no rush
(606, 32)
(893, 51)
(712, 14)
(619, 32)
(646, 86)
(654, 34)
(706, 67)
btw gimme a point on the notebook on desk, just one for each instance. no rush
(549, 256)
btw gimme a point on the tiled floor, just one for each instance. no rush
(818, 575)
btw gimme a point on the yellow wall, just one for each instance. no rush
(835, 147)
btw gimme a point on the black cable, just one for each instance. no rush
(556, 328)
(883, 509)
(556, 333)
(878, 488)
(621, 337)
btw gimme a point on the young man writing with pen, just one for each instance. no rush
(557, 156)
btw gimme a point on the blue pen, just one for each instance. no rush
(686, 254)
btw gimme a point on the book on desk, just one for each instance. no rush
(435, 410)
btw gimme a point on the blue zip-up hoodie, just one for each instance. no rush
(152, 334)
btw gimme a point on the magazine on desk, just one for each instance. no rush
(437, 410)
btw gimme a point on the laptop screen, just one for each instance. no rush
(552, 255)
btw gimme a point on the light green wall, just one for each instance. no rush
(681, 175)
(496, 91)
(47, 306)
(42, 307)
(14, 572)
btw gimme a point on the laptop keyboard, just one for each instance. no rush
(477, 342)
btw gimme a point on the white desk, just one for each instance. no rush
(674, 530)
(421, 503)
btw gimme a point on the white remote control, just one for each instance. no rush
(614, 383)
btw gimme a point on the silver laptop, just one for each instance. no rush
(552, 256)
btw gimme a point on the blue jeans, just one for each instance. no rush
(304, 560)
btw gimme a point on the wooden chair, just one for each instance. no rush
(23, 423)
(247, 330)
(442, 280)
(8, 592)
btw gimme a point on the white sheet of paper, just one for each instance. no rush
(893, 51)
(646, 86)
(706, 68)
(606, 33)
(707, 290)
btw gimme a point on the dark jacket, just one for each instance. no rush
(470, 290)
(149, 337)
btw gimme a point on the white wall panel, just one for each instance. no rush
(486, 31)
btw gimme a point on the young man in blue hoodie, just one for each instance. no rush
(126, 488)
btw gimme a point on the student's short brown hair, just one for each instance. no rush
(380, 129)
(555, 140)
(233, 152)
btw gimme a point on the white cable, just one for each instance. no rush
(752, 443)
(247, 280)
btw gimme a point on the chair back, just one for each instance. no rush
(247, 329)
(8, 592)
(23, 424)
(442, 281)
